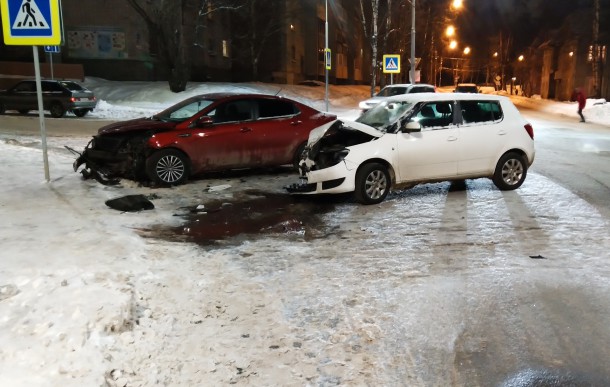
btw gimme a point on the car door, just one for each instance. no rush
(277, 131)
(432, 152)
(23, 96)
(482, 135)
(224, 144)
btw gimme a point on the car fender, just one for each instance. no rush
(170, 139)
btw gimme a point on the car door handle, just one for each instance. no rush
(451, 138)
(502, 132)
(184, 135)
(245, 129)
(294, 123)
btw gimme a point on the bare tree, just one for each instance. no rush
(172, 27)
(371, 29)
(257, 24)
(596, 62)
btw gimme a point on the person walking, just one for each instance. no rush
(579, 96)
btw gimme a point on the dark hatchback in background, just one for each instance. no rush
(58, 97)
(204, 133)
(466, 88)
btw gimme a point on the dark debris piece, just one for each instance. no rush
(537, 257)
(130, 203)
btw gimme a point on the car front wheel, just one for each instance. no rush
(57, 110)
(167, 167)
(372, 183)
(510, 172)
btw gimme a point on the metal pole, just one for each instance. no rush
(325, 54)
(412, 75)
(43, 132)
(51, 62)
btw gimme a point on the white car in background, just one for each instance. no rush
(394, 90)
(418, 138)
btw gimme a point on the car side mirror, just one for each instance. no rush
(203, 122)
(411, 126)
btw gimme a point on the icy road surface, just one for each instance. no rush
(436, 286)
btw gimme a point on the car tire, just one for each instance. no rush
(168, 167)
(23, 111)
(2, 108)
(372, 183)
(511, 171)
(80, 112)
(296, 159)
(57, 110)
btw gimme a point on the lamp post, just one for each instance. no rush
(326, 53)
(412, 74)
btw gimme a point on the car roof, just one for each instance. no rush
(425, 97)
(232, 95)
(408, 85)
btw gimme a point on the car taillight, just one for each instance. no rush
(72, 99)
(529, 130)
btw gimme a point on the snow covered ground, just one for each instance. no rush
(86, 301)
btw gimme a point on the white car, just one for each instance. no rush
(394, 90)
(418, 138)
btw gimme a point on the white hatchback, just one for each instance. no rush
(418, 138)
(393, 90)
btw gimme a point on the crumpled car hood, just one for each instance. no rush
(138, 124)
(319, 132)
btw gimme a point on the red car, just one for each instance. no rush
(205, 133)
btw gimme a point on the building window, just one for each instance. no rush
(225, 48)
(321, 40)
(597, 52)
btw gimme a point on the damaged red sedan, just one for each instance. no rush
(205, 133)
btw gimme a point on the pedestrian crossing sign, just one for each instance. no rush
(31, 22)
(391, 64)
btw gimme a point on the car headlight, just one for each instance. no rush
(341, 155)
(363, 105)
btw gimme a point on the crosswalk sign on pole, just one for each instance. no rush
(391, 64)
(31, 22)
(327, 59)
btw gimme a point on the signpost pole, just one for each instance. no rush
(43, 132)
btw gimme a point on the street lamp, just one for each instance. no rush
(412, 74)
(450, 31)
(325, 54)
(457, 4)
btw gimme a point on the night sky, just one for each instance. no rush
(524, 20)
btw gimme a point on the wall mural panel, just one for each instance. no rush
(96, 43)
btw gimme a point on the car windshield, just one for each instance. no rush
(392, 90)
(383, 116)
(183, 110)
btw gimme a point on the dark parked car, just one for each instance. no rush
(205, 133)
(58, 97)
(466, 88)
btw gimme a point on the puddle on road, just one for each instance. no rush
(247, 216)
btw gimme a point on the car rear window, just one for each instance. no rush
(72, 86)
(422, 89)
(390, 91)
(481, 111)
